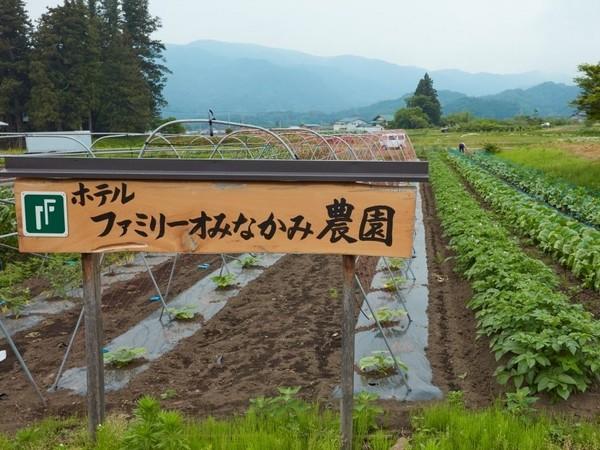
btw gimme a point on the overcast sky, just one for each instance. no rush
(501, 36)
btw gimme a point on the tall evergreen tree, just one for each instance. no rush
(126, 101)
(140, 25)
(15, 36)
(62, 71)
(426, 98)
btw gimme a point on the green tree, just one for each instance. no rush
(589, 99)
(15, 40)
(62, 74)
(125, 100)
(411, 118)
(426, 98)
(139, 25)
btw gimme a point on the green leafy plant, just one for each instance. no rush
(541, 339)
(394, 283)
(286, 404)
(396, 264)
(580, 202)
(333, 293)
(13, 299)
(155, 428)
(124, 356)
(573, 244)
(520, 401)
(491, 147)
(379, 363)
(63, 271)
(186, 313)
(388, 316)
(366, 412)
(224, 281)
(456, 398)
(249, 261)
(169, 393)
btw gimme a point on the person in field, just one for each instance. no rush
(462, 147)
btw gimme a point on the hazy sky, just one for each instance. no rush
(476, 35)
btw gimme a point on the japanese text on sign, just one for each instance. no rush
(205, 217)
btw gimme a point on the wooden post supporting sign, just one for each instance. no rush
(93, 340)
(347, 402)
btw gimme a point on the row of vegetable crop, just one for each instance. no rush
(574, 245)
(541, 339)
(576, 201)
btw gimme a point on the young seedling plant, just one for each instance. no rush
(395, 264)
(224, 281)
(185, 313)
(124, 356)
(388, 316)
(249, 261)
(379, 364)
(394, 283)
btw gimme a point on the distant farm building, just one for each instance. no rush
(355, 125)
(383, 120)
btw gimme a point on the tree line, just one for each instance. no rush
(86, 65)
(423, 108)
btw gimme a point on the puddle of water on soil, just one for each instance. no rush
(408, 341)
(159, 337)
(40, 307)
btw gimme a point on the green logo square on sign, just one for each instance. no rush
(44, 214)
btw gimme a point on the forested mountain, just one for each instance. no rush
(247, 79)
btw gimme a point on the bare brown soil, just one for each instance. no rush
(589, 150)
(123, 305)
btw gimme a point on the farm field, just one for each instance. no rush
(512, 308)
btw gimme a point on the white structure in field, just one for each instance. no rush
(355, 125)
(58, 141)
(393, 140)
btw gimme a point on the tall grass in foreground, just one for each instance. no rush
(275, 423)
(450, 426)
(286, 423)
(558, 163)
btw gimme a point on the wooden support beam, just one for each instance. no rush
(348, 324)
(92, 298)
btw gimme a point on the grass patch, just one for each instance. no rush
(450, 426)
(274, 423)
(559, 164)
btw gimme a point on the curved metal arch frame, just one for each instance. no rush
(217, 122)
(308, 131)
(200, 136)
(232, 135)
(112, 136)
(299, 146)
(348, 146)
(87, 149)
(366, 143)
(160, 136)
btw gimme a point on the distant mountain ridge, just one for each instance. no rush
(546, 99)
(249, 79)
